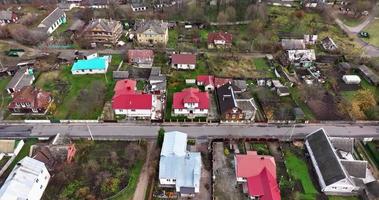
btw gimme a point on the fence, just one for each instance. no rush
(10, 161)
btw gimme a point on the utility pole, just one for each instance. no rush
(90, 133)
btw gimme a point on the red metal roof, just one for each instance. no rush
(125, 86)
(222, 81)
(183, 59)
(205, 79)
(140, 54)
(227, 37)
(260, 172)
(191, 95)
(132, 101)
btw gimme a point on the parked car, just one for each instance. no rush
(363, 34)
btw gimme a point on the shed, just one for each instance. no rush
(351, 79)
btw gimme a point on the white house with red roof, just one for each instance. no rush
(183, 61)
(131, 103)
(220, 40)
(191, 102)
(207, 81)
(258, 174)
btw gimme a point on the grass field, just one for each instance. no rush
(297, 168)
(372, 29)
(5, 97)
(342, 198)
(66, 88)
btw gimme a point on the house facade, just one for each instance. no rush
(151, 32)
(178, 167)
(28, 180)
(30, 100)
(102, 32)
(234, 107)
(220, 40)
(207, 81)
(7, 17)
(138, 7)
(191, 102)
(141, 58)
(53, 21)
(183, 61)
(95, 65)
(258, 174)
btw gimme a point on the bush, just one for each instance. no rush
(226, 152)
(160, 137)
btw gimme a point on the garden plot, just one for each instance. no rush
(100, 170)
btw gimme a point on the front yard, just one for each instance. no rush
(100, 170)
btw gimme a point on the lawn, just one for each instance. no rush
(101, 169)
(351, 21)
(342, 198)
(172, 38)
(71, 91)
(297, 169)
(372, 29)
(5, 97)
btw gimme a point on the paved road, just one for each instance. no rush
(125, 131)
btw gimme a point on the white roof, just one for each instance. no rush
(302, 55)
(25, 181)
(353, 78)
(174, 143)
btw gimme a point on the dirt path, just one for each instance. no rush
(146, 172)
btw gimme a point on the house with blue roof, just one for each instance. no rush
(93, 65)
(178, 167)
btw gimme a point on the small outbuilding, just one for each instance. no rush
(351, 79)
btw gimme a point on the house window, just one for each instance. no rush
(241, 116)
(82, 70)
(90, 70)
(133, 110)
(40, 187)
(37, 180)
(233, 116)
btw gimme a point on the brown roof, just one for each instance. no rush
(140, 54)
(28, 94)
(227, 37)
(183, 59)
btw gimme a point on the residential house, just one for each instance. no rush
(207, 81)
(53, 21)
(239, 85)
(30, 100)
(27, 180)
(222, 81)
(96, 4)
(337, 170)
(179, 167)
(7, 17)
(281, 90)
(96, 65)
(369, 75)
(300, 58)
(220, 40)
(151, 32)
(139, 7)
(131, 103)
(310, 39)
(103, 32)
(293, 44)
(258, 174)
(183, 61)
(60, 150)
(235, 108)
(191, 102)
(23, 77)
(141, 58)
(328, 44)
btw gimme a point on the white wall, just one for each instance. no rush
(342, 186)
(183, 66)
(97, 71)
(187, 112)
(167, 181)
(134, 113)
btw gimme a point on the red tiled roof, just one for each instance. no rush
(260, 172)
(132, 101)
(263, 185)
(125, 86)
(205, 79)
(227, 37)
(191, 95)
(222, 81)
(28, 94)
(140, 54)
(183, 59)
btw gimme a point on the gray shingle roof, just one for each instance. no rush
(356, 168)
(293, 44)
(157, 26)
(344, 144)
(6, 15)
(20, 79)
(52, 18)
(369, 74)
(327, 161)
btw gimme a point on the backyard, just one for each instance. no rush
(100, 170)
(372, 29)
(72, 92)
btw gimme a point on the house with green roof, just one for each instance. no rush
(96, 65)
